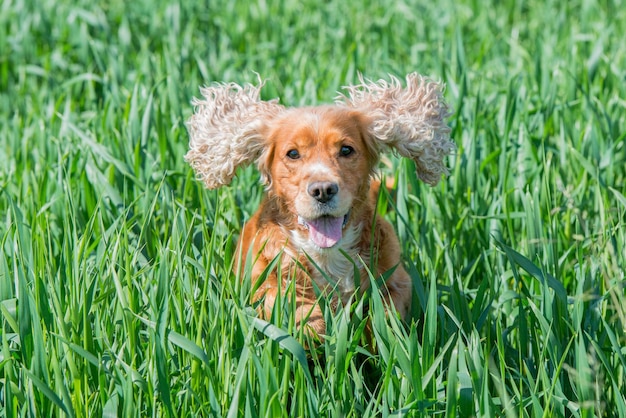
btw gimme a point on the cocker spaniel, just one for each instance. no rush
(317, 163)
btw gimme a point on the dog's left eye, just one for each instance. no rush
(346, 150)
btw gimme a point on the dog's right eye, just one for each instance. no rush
(293, 154)
(346, 150)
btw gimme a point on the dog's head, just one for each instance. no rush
(318, 160)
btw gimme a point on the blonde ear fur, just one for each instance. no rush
(226, 131)
(411, 120)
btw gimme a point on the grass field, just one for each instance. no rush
(116, 291)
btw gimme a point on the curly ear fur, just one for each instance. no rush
(226, 131)
(411, 120)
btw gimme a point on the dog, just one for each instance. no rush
(318, 215)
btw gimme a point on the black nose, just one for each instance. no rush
(323, 191)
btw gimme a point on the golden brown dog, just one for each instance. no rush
(317, 164)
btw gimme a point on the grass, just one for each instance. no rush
(116, 291)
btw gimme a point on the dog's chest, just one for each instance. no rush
(335, 268)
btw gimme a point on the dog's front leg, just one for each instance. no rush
(309, 318)
(308, 314)
(398, 291)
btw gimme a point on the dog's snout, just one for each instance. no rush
(323, 191)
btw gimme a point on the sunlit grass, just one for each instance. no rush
(117, 296)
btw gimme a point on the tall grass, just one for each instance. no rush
(116, 291)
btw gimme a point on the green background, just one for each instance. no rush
(116, 292)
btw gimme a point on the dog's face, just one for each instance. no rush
(318, 161)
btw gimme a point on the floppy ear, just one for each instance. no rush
(227, 131)
(411, 120)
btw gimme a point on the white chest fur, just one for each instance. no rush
(334, 267)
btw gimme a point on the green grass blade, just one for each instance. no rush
(49, 393)
(285, 341)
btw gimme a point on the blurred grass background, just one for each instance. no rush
(116, 297)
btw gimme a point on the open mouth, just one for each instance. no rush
(325, 231)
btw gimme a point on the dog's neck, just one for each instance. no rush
(331, 267)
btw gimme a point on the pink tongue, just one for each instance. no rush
(325, 231)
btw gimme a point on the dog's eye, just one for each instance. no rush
(293, 154)
(346, 150)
